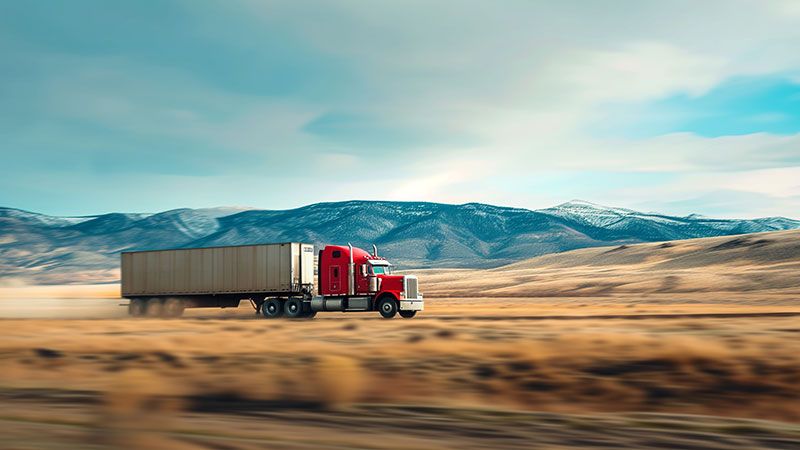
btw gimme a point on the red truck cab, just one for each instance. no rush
(351, 279)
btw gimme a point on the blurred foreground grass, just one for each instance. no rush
(83, 423)
(632, 372)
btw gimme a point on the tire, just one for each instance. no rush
(293, 308)
(154, 308)
(174, 307)
(272, 308)
(308, 313)
(387, 306)
(407, 314)
(136, 307)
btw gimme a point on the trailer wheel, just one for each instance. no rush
(407, 314)
(293, 308)
(272, 308)
(136, 307)
(174, 307)
(387, 307)
(154, 308)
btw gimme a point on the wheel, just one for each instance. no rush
(272, 308)
(294, 308)
(136, 308)
(407, 314)
(308, 313)
(387, 307)
(154, 308)
(174, 307)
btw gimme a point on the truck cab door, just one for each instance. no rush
(362, 279)
(334, 280)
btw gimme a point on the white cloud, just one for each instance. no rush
(688, 152)
(782, 182)
(443, 181)
(641, 71)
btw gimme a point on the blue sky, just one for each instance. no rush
(676, 107)
(738, 106)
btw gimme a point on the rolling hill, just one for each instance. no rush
(36, 248)
(720, 267)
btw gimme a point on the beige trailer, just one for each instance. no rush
(163, 282)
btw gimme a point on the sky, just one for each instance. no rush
(674, 106)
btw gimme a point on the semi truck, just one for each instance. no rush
(279, 280)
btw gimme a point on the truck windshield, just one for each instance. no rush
(381, 270)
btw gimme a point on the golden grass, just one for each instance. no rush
(678, 364)
(755, 264)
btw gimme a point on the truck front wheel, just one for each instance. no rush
(407, 314)
(272, 308)
(387, 307)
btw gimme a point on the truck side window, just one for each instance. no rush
(337, 254)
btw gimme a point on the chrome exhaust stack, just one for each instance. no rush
(374, 250)
(351, 273)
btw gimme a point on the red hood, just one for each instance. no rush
(391, 282)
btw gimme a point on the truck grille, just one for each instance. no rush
(411, 287)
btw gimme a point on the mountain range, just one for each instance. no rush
(37, 248)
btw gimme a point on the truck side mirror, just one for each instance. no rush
(363, 270)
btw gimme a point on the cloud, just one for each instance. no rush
(689, 153)
(452, 181)
(640, 71)
(781, 182)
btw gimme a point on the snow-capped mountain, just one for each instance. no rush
(621, 222)
(41, 248)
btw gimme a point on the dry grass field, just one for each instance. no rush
(691, 344)
(755, 266)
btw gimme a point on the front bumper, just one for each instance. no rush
(412, 304)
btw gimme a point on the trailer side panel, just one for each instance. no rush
(265, 268)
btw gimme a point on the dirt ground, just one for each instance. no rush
(624, 372)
